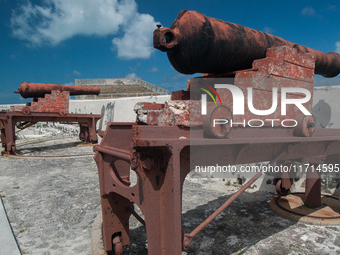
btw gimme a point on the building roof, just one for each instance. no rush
(124, 87)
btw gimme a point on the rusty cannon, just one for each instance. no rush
(35, 90)
(50, 97)
(50, 104)
(169, 140)
(196, 43)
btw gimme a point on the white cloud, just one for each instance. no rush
(76, 73)
(331, 7)
(337, 45)
(268, 30)
(131, 75)
(308, 11)
(69, 83)
(59, 20)
(153, 69)
(137, 40)
(132, 69)
(175, 77)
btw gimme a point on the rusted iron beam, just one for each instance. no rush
(333, 159)
(161, 158)
(312, 197)
(196, 43)
(188, 237)
(9, 120)
(35, 90)
(283, 181)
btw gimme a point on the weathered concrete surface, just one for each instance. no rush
(52, 203)
(8, 244)
(7, 106)
(247, 227)
(120, 82)
(118, 110)
(326, 106)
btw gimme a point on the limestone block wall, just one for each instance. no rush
(326, 106)
(115, 110)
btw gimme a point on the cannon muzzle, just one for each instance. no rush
(35, 90)
(196, 43)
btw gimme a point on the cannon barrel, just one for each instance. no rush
(35, 90)
(196, 43)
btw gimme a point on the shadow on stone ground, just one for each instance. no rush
(247, 226)
(52, 147)
(52, 204)
(240, 226)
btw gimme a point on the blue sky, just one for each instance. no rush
(57, 41)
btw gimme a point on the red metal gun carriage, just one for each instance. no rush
(50, 104)
(167, 139)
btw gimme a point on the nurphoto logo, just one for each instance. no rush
(239, 102)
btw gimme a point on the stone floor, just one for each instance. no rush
(52, 203)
